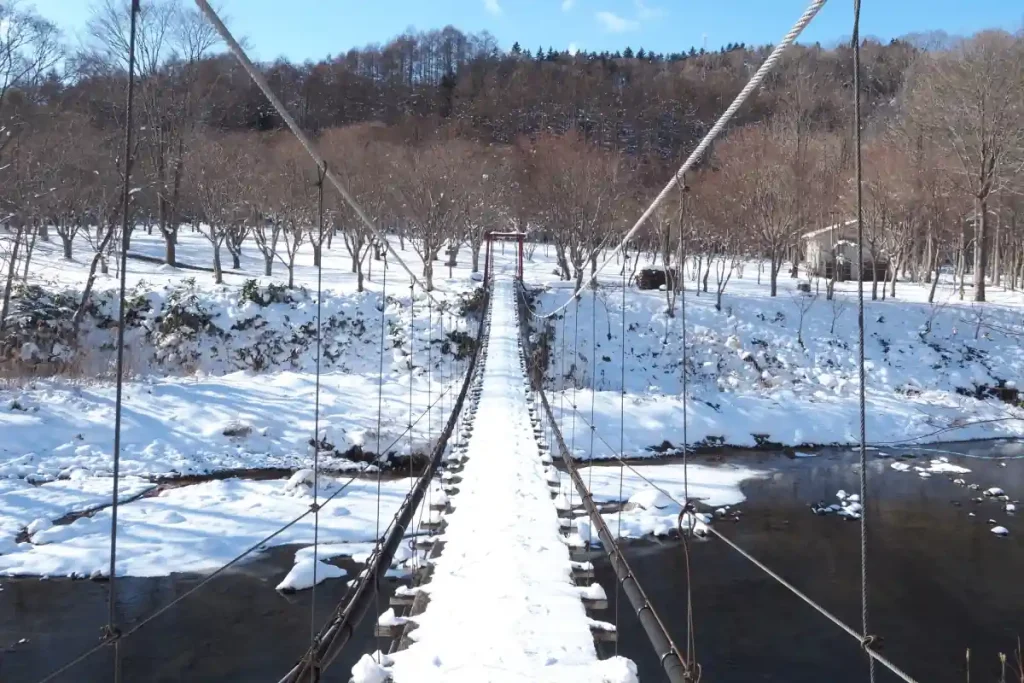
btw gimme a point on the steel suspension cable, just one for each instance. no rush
(691, 641)
(112, 633)
(316, 414)
(593, 395)
(705, 143)
(380, 410)
(861, 389)
(572, 368)
(622, 441)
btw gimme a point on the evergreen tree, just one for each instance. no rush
(641, 54)
(516, 50)
(627, 53)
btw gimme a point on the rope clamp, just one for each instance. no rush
(110, 634)
(871, 642)
(315, 507)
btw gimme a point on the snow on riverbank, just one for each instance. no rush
(757, 374)
(190, 409)
(646, 510)
(198, 528)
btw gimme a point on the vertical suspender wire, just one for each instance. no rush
(575, 357)
(112, 632)
(561, 398)
(314, 668)
(412, 365)
(688, 508)
(380, 410)
(861, 392)
(593, 396)
(622, 440)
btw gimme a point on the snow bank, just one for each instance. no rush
(201, 527)
(301, 575)
(751, 381)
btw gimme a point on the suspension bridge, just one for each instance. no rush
(505, 588)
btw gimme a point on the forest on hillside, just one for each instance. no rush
(442, 136)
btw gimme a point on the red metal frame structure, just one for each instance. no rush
(491, 236)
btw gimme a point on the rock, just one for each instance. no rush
(841, 494)
(1000, 531)
(651, 499)
(237, 428)
(960, 482)
(37, 525)
(994, 491)
(1010, 507)
(302, 478)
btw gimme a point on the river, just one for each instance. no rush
(940, 582)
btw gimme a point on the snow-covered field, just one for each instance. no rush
(752, 381)
(231, 387)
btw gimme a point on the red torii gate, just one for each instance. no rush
(489, 254)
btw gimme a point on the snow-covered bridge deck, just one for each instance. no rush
(502, 602)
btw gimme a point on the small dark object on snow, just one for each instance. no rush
(803, 287)
(237, 429)
(655, 278)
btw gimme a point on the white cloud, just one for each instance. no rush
(567, 5)
(492, 6)
(613, 23)
(573, 49)
(644, 12)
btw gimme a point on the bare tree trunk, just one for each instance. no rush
(268, 265)
(30, 247)
(775, 266)
(44, 232)
(317, 252)
(996, 252)
(428, 273)
(91, 280)
(929, 249)
(12, 268)
(218, 275)
(933, 265)
(980, 247)
(475, 257)
(170, 248)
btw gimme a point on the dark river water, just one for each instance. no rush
(237, 628)
(940, 582)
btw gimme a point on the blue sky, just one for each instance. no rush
(311, 29)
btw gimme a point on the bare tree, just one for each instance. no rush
(970, 100)
(361, 161)
(215, 171)
(172, 41)
(757, 161)
(428, 195)
(579, 190)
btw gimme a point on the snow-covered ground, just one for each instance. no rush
(752, 381)
(200, 527)
(232, 387)
(502, 604)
